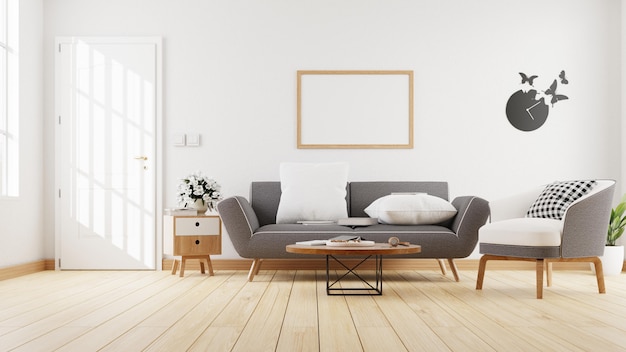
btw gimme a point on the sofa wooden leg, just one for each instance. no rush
(254, 268)
(442, 266)
(455, 272)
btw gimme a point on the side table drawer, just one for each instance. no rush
(194, 226)
(197, 245)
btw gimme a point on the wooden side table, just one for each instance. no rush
(192, 237)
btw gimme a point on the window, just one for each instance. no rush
(8, 98)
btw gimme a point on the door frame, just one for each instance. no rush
(158, 163)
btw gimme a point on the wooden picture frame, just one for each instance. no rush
(355, 109)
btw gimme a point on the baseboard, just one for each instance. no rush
(389, 264)
(25, 269)
(309, 264)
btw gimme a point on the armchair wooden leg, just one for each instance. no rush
(548, 272)
(442, 266)
(254, 268)
(539, 269)
(481, 272)
(599, 274)
(454, 269)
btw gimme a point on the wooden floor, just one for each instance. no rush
(290, 311)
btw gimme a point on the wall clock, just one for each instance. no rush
(527, 109)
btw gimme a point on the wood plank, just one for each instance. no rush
(45, 319)
(176, 321)
(264, 326)
(234, 316)
(417, 335)
(287, 311)
(299, 330)
(130, 312)
(336, 328)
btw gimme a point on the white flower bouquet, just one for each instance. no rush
(197, 187)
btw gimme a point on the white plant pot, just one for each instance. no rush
(612, 260)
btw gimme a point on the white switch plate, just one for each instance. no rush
(193, 139)
(178, 140)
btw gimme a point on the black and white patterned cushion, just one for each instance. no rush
(557, 197)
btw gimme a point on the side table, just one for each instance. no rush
(192, 237)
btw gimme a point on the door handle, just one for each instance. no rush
(141, 158)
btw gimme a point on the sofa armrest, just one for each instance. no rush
(472, 213)
(240, 222)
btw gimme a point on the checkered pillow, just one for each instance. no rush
(557, 197)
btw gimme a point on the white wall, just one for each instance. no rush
(21, 231)
(230, 75)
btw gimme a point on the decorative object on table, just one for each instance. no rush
(613, 257)
(198, 191)
(395, 242)
(526, 109)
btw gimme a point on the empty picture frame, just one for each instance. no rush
(355, 109)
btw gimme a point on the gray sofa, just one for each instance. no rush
(254, 233)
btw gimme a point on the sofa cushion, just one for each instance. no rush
(557, 197)
(312, 192)
(535, 232)
(410, 209)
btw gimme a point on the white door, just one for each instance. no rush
(106, 102)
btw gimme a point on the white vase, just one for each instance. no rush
(199, 205)
(612, 260)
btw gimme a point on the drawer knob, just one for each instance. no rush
(197, 224)
(197, 241)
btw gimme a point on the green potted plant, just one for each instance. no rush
(613, 258)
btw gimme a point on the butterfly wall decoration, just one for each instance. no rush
(562, 77)
(527, 109)
(552, 91)
(527, 79)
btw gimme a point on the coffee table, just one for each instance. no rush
(378, 250)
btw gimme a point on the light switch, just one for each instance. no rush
(178, 140)
(193, 139)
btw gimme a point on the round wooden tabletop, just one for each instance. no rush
(376, 249)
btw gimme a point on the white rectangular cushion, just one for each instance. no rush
(537, 232)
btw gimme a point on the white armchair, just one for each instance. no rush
(578, 237)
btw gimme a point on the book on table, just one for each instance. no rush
(339, 241)
(357, 221)
(181, 211)
(312, 243)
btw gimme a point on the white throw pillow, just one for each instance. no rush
(312, 192)
(411, 209)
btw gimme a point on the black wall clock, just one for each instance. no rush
(525, 112)
(526, 109)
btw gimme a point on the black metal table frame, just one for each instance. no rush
(355, 291)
